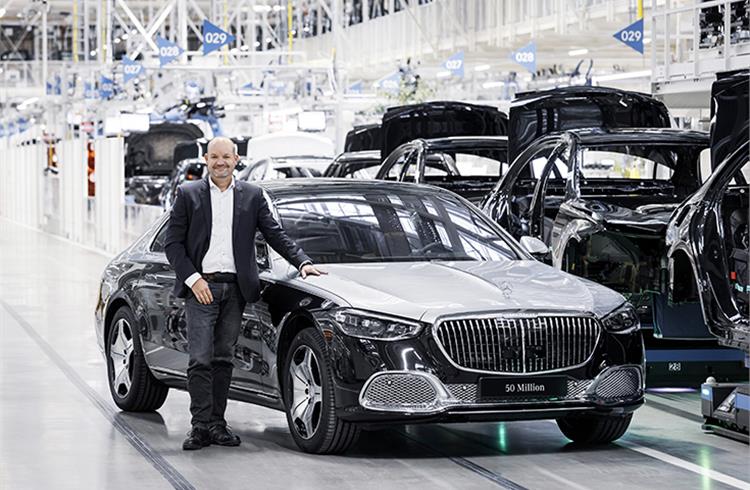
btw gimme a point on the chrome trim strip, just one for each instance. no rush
(233, 386)
(517, 314)
(527, 410)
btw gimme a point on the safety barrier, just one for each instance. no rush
(21, 174)
(56, 200)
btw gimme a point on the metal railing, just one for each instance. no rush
(692, 43)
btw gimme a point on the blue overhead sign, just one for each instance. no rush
(356, 88)
(632, 35)
(106, 87)
(389, 83)
(168, 51)
(130, 69)
(88, 90)
(214, 37)
(455, 64)
(526, 56)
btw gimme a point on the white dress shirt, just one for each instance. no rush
(220, 254)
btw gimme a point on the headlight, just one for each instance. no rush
(366, 325)
(623, 320)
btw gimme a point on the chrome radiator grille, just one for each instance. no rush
(518, 344)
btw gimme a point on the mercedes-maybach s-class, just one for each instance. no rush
(429, 312)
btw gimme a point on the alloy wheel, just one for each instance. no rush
(307, 391)
(121, 355)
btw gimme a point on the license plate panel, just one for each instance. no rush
(523, 387)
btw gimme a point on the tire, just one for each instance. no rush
(594, 429)
(130, 381)
(308, 381)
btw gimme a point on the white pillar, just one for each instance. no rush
(110, 193)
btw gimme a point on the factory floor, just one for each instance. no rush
(60, 429)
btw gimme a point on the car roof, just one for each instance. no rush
(593, 136)
(285, 188)
(358, 156)
(454, 142)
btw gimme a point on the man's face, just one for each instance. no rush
(221, 159)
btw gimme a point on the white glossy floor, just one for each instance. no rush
(59, 428)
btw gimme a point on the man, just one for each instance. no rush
(211, 245)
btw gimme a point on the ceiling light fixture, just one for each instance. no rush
(481, 67)
(578, 52)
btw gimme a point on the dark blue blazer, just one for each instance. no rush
(189, 233)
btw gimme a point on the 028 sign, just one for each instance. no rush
(524, 57)
(169, 51)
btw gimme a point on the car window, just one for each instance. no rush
(395, 170)
(744, 172)
(363, 173)
(384, 226)
(257, 171)
(705, 157)
(602, 164)
(157, 246)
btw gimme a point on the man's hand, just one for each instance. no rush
(202, 292)
(310, 270)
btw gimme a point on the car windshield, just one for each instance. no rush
(362, 172)
(641, 162)
(390, 225)
(476, 162)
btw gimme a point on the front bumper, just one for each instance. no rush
(420, 393)
(413, 380)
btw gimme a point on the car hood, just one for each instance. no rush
(427, 290)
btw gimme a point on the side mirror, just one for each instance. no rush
(261, 255)
(534, 246)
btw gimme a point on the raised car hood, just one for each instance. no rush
(535, 114)
(437, 120)
(363, 138)
(729, 114)
(427, 290)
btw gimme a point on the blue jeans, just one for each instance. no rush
(212, 336)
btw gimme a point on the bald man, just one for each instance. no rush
(211, 245)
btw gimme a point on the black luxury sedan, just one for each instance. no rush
(429, 312)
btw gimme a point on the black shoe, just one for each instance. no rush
(222, 436)
(197, 438)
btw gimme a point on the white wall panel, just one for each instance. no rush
(109, 157)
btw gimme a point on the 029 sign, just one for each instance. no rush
(628, 36)
(215, 38)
